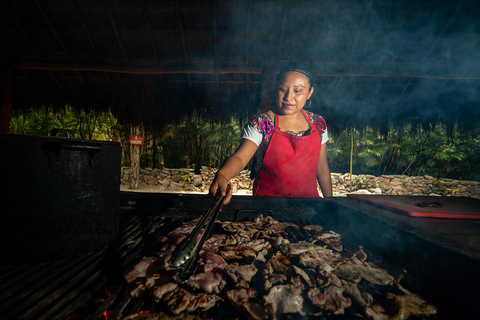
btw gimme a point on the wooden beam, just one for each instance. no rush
(150, 38)
(317, 42)
(211, 70)
(87, 34)
(246, 42)
(34, 46)
(282, 29)
(440, 35)
(337, 85)
(246, 36)
(182, 37)
(185, 69)
(115, 31)
(149, 31)
(57, 36)
(117, 34)
(359, 31)
(213, 81)
(180, 28)
(407, 85)
(214, 18)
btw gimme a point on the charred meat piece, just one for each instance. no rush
(284, 299)
(298, 248)
(243, 300)
(278, 263)
(209, 282)
(274, 279)
(238, 253)
(356, 272)
(159, 292)
(138, 289)
(407, 304)
(211, 262)
(320, 257)
(163, 316)
(144, 267)
(352, 291)
(330, 238)
(304, 277)
(241, 272)
(330, 299)
(182, 300)
(312, 230)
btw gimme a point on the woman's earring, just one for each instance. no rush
(309, 104)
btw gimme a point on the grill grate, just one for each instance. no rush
(92, 287)
(71, 289)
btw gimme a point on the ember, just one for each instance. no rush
(264, 269)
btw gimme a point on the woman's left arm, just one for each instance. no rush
(323, 173)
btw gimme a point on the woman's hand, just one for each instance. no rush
(232, 167)
(219, 188)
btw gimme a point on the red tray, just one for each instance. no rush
(424, 206)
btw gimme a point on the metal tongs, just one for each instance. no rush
(186, 254)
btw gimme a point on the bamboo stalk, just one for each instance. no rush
(351, 161)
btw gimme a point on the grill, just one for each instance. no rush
(443, 268)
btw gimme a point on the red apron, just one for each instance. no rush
(289, 167)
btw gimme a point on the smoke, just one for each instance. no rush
(376, 61)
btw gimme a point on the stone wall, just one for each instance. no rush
(187, 180)
(182, 179)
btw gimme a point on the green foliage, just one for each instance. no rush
(85, 126)
(357, 181)
(411, 151)
(199, 141)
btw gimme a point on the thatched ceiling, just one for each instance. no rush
(375, 61)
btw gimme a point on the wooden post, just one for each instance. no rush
(351, 162)
(5, 100)
(135, 151)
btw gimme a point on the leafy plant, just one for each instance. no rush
(358, 182)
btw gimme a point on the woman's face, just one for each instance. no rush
(292, 91)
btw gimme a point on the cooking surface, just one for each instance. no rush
(461, 236)
(444, 254)
(423, 206)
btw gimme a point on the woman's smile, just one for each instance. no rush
(293, 91)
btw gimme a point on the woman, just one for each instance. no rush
(288, 142)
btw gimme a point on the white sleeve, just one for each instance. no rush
(325, 136)
(251, 133)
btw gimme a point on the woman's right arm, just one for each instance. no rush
(232, 167)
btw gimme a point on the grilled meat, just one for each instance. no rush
(284, 299)
(265, 269)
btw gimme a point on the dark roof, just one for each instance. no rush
(154, 61)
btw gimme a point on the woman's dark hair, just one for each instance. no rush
(297, 67)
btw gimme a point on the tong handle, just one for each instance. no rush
(188, 249)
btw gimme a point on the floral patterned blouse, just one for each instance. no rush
(260, 130)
